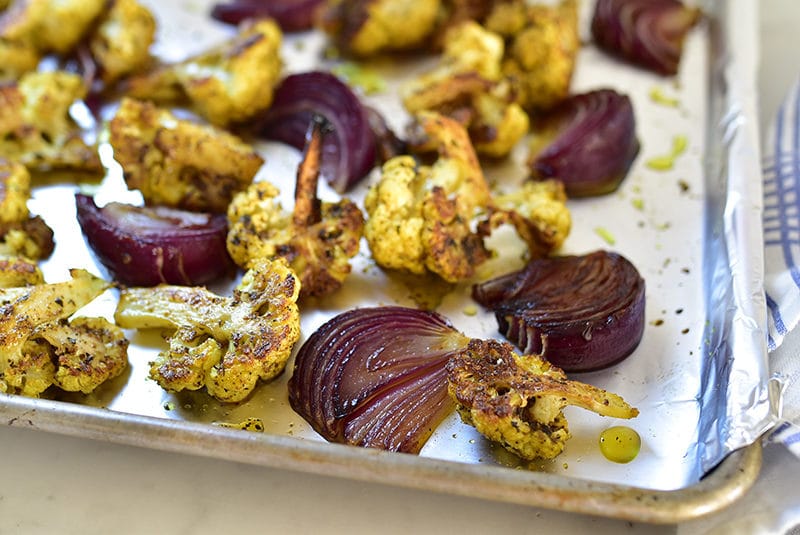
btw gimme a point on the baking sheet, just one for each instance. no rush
(663, 221)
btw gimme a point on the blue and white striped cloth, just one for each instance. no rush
(781, 170)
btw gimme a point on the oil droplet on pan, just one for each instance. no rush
(620, 444)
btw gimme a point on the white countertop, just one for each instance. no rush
(57, 484)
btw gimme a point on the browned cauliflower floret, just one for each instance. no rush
(369, 27)
(539, 213)
(16, 272)
(40, 348)
(180, 163)
(543, 45)
(318, 238)
(36, 129)
(468, 85)
(420, 217)
(20, 233)
(223, 343)
(121, 43)
(16, 59)
(50, 25)
(517, 401)
(227, 84)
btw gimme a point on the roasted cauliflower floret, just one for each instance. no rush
(50, 25)
(227, 84)
(40, 348)
(468, 86)
(369, 27)
(517, 401)
(225, 344)
(16, 59)
(121, 43)
(15, 190)
(420, 217)
(318, 238)
(20, 233)
(179, 163)
(36, 129)
(543, 44)
(16, 271)
(539, 213)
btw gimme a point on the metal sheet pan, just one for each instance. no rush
(698, 377)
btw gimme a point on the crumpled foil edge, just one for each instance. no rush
(737, 405)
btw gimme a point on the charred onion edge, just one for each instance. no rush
(581, 313)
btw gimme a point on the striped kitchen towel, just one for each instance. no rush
(781, 169)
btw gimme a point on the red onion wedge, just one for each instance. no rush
(594, 145)
(348, 148)
(376, 377)
(291, 15)
(581, 313)
(648, 33)
(146, 246)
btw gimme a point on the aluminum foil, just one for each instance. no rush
(698, 377)
(736, 407)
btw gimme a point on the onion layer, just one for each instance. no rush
(595, 143)
(348, 148)
(145, 246)
(581, 313)
(648, 33)
(376, 377)
(291, 15)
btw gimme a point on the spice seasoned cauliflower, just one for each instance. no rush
(121, 43)
(543, 43)
(539, 213)
(20, 233)
(318, 238)
(49, 25)
(517, 401)
(179, 163)
(16, 271)
(227, 84)
(16, 59)
(420, 217)
(468, 85)
(225, 344)
(369, 27)
(39, 347)
(36, 129)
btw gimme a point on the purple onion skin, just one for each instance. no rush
(348, 148)
(149, 246)
(595, 144)
(647, 33)
(581, 313)
(375, 377)
(291, 15)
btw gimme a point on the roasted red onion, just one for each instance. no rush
(375, 377)
(348, 147)
(581, 313)
(145, 246)
(648, 33)
(594, 145)
(291, 15)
